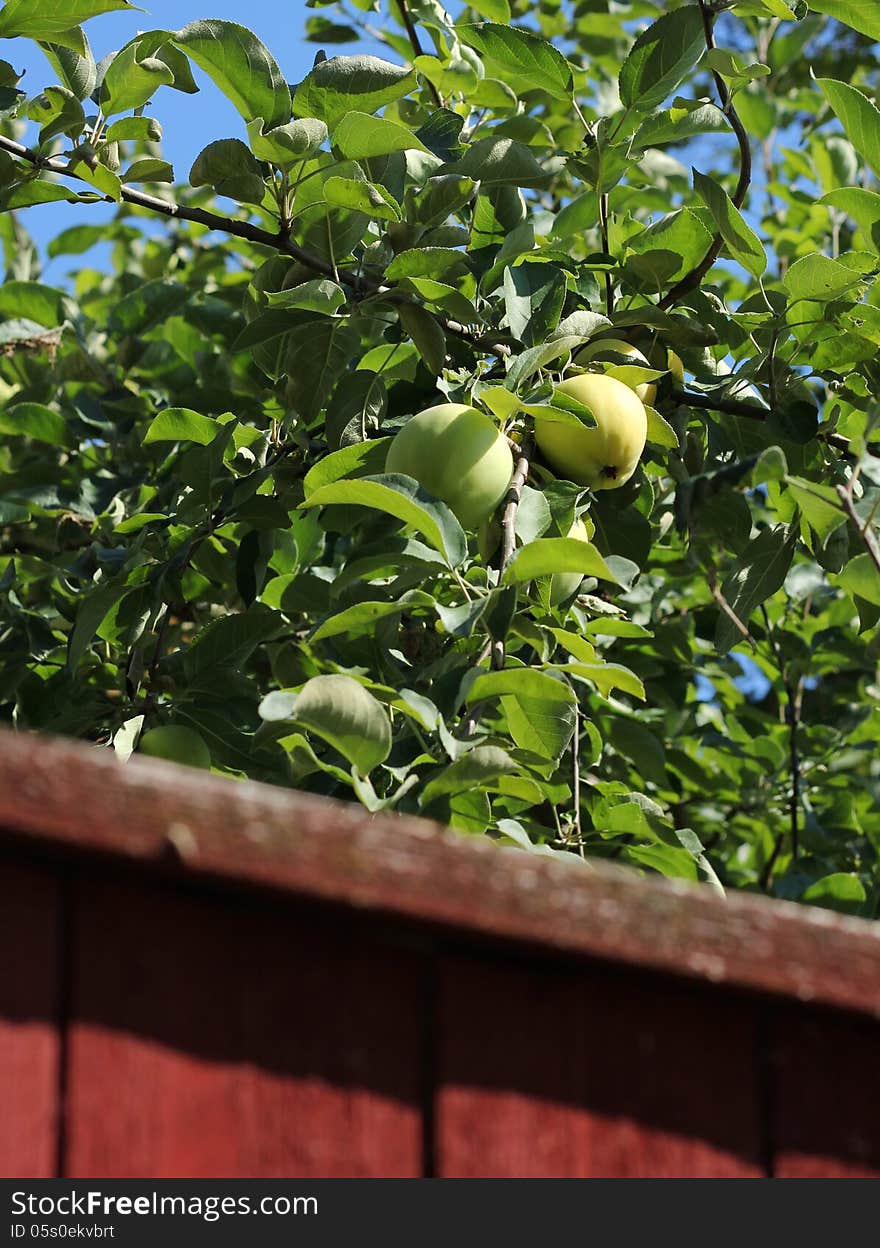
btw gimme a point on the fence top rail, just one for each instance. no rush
(80, 797)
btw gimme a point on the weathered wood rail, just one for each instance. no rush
(200, 977)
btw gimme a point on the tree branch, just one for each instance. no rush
(360, 285)
(508, 545)
(865, 532)
(728, 610)
(792, 715)
(412, 35)
(692, 280)
(752, 411)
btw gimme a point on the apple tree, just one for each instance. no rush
(199, 529)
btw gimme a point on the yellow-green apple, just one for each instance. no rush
(603, 456)
(459, 455)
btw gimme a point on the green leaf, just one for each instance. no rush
(660, 432)
(476, 769)
(37, 191)
(668, 249)
(819, 278)
(862, 206)
(141, 129)
(340, 711)
(89, 618)
(404, 498)
(520, 58)
(148, 170)
(861, 579)
(842, 891)
(34, 420)
(131, 79)
(182, 424)
(230, 640)
(859, 117)
(819, 505)
(607, 677)
(540, 708)
(744, 244)
(316, 355)
(241, 66)
(533, 299)
(362, 459)
(359, 136)
(58, 111)
(861, 15)
(77, 239)
(547, 555)
(147, 306)
(230, 167)
(494, 10)
(41, 19)
(34, 302)
(732, 68)
(98, 176)
(362, 618)
(496, 161)
(661, 57)
(520, 368)
(684, 119)
(372, 201)
(317, 295)
(756, 576)
(286, 145)
(344, 83)
(75, 67)
(426, 333)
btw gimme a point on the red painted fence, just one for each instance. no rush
(205, 977)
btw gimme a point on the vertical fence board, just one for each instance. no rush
(29, 1025)
(585, 1074)
(214, 1039)
(826, 1119)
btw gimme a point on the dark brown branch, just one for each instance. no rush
(692, 280)
(278, 241)
(412, 35)
(752, 411)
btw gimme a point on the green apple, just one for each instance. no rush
(606, 349)
(176, 743)
(564, 584)
(459, 455)
(605, 456)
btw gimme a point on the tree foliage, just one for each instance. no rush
(197, 528)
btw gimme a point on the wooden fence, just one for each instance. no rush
(200, 977)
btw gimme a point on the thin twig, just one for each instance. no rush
(514, 498)
(412, 35)
(729, 611)
(576, 781)
(278, 241)
(603, 226)
(865, 531)
(793, 693)
(495, 647)
(752, 411)
(692, 280)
